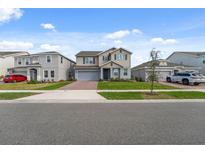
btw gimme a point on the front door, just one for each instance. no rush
(106, 74)
(33, 74)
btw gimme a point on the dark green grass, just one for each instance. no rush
(10, 96)
(129, 85)
(147, 95)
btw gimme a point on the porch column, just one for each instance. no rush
(38, 74)
(28, 74)
(101, 73)
(110, 73)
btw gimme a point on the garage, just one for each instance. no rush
(162, 76)
(88, 75)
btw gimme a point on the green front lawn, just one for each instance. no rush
(159, 95)
(130, 85)
(38, 86)
(10, 96)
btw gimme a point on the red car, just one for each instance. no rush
(14, 78)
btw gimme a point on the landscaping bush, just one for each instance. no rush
(33, 82)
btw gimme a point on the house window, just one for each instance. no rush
(203, 60)
(89, 60)
(126, 57)
(125, 72)
(19, 61)
(27, 61)
(48, 59)
(116, 72)
(52, 73)
(120, 56)
(46, 74)
(115, 57)
(61, 60)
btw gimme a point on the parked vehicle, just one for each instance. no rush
(14, 78)
(187, 78)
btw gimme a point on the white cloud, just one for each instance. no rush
(118, 35)
(49, 47)
(102, 43)
(117, 42)
(48, 26)
(162, 41)
(15, 45)
(7, 14)
(136, 31)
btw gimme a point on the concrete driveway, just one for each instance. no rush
(68, 95)
(81, 85)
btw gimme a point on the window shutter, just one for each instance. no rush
(93, 60)
(115, 56)
(103, 58)
(83, 60)
(126, 57)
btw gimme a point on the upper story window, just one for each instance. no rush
(48, 59)
(89, 60)
(204, 60)
(27, 61)
(35, 60)
(61, 60)
(19, 61)
(125, 72)
(120, 56)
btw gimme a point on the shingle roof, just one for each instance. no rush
(168, 64)
(88, 53)
(192, 53)
(5, 53)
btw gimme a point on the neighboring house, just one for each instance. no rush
(7, 60)
(189, 58)
(45, 66)
(104, 65)
(164, 68)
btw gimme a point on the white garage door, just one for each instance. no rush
(88, 75)
(163, 75)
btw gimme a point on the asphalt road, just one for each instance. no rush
(147, 123)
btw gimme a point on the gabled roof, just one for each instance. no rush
(110, 62)
(168, 64)
(188, 53)
(53, 52)
(88, 53)
(115, 49)
(6, 53)
(96, 53)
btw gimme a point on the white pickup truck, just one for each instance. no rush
(187, 78)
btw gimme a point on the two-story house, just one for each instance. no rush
(104, 65)
(189, 58)
(45, 66)
(7, 60)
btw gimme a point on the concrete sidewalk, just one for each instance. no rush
(61, 91)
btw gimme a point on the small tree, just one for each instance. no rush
(154, 55)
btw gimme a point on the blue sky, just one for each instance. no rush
(72, 30)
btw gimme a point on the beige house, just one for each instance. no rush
(7, 59)
(104, 65)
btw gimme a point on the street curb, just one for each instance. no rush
(164, 101)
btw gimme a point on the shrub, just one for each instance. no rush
(33, 82)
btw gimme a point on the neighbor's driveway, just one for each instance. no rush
(81, 85)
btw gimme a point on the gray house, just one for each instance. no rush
(164, 68)
(44, 66)
(189, 58)
(111, 63)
